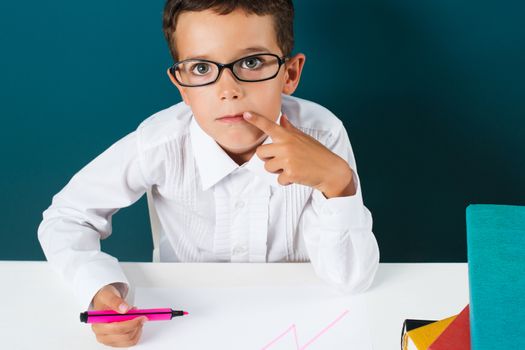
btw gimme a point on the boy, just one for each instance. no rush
(239, 171)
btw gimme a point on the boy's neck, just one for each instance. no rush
(240, 158)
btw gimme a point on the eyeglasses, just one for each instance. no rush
(196, 72)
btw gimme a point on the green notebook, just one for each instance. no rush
(496, 262)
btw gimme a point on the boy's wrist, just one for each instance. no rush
(339, 183)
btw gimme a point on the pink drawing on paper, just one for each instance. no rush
(293, 330)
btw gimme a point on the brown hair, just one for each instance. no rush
(281, 10)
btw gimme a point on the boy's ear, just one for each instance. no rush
(292, 75)
(181, 89)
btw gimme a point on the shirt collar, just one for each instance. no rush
(214, 163)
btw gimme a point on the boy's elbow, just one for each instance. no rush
(357, 280)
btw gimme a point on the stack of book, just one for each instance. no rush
(452, 333)
(495, 317)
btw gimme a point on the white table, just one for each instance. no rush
(38, 311)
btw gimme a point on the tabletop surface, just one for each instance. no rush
(39, 310)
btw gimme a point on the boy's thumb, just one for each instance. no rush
(110, 296)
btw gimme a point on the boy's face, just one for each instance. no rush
(223, 39)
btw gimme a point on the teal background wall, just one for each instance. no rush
(431, 92)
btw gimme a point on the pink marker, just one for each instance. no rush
(107, 316)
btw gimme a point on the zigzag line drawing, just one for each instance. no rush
(293, 329)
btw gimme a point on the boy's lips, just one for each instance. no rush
(231, 118)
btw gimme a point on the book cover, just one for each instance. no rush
(456, 336)
(421, 337)
(496, 263)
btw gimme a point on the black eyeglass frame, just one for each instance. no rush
(221, 66)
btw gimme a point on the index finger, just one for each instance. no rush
(265, 125)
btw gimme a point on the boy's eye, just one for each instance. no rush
(251, 63)
(200, 68)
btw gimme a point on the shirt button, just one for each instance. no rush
(239, 205)
(240, 249)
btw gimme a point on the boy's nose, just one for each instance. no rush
(228, 85)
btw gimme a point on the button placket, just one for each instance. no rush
(240, 223)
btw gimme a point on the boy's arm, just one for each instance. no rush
(80, 215)
(337, 231)
(339, 239)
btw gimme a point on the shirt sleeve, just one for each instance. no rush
(338, 232)
(80, 216)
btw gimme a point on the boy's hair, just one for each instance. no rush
(281, 10)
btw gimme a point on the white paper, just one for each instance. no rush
(243, 318)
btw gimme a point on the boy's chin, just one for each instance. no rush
(241, 143)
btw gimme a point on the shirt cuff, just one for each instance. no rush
(91, 277)
(339, 213)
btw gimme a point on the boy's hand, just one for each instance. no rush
(301, 159)
(118, 334)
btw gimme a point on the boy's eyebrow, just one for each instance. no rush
(243, 51)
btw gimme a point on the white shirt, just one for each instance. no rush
(210, 209)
